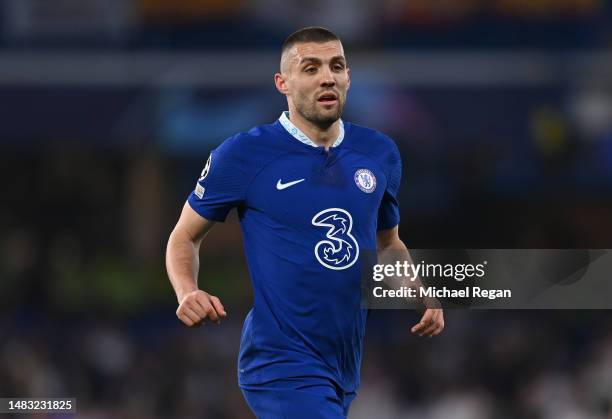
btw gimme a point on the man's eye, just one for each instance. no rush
(310, 69)
(339, 67)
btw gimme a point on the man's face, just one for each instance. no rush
(316, 79)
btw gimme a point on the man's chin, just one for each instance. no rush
(323, 118)
(327, 117)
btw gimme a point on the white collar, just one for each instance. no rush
(299, 135)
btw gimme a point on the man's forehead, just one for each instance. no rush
(322, 50)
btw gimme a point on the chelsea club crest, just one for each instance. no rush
(365, 180)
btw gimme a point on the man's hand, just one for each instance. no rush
(197, 306)
(431, 324)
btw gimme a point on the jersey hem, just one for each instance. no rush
(205, 213)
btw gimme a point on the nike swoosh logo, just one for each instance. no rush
(280, 185)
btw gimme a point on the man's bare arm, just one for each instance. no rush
(183, 263)
(432, 322)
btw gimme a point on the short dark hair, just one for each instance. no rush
(309, 34)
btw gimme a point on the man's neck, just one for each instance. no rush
(324, 137)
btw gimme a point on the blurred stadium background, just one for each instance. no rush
(108, 109)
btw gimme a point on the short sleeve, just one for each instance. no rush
(222, 183)
(388, 212)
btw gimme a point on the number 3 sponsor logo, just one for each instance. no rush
(339, 250)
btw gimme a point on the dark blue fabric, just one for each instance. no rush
(298, 399)
(302, 244)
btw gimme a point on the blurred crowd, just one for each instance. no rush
(392, 23)
(527, 364)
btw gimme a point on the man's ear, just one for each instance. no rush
(348, 74)
(280, 83)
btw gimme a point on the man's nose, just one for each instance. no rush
(327, 78)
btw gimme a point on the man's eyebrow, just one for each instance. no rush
(312, 59)
(318, 60)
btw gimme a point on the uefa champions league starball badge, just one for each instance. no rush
(206, 169)
(365, 180)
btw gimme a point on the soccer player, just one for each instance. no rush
(311, 191)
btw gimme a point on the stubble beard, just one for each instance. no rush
(322, 120)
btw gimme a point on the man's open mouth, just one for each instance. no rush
(327, 98)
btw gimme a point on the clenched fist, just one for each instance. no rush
(197, 306)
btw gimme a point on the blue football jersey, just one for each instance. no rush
(306, 214)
